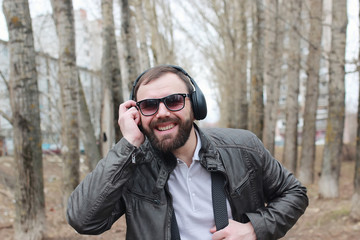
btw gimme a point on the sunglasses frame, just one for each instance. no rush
(163, 100)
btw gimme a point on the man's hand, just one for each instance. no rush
(234, 231)
(129, 121)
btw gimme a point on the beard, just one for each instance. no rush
(168, 143)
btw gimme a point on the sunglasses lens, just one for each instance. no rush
(174, 102)
(149, 106)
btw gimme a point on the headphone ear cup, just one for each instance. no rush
(198, 103)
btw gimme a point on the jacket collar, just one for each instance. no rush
(209, 156)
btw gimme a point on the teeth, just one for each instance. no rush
(166, 127)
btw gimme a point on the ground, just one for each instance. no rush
(323, 219)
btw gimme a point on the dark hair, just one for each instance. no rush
(158, 71)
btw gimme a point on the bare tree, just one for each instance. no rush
(329, 180)
(355, 205)
(161, 30)
(307, 160)
(111, 78)
(24, 99)
(87, 134)
(224, 44)
(141, 20)
(243, 63)
(292, 106)
(256, 107)
(68, 81)
(273, 64)
(131, 65)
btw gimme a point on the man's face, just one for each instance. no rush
(167, 130)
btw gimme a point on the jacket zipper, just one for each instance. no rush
(148, 199)
(246, 178)
(116, 177)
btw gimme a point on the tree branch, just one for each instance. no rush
(5, 81)
(7, 117)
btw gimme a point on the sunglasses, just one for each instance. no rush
(173, 102)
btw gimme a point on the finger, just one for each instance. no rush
(126, 106)
(218, 235)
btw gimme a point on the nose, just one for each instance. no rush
(163, 111)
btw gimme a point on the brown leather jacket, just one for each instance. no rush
(132, 181)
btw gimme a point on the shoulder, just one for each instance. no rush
(230, 136)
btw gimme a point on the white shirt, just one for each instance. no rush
(190, 188)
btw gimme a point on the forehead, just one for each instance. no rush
(163, 86)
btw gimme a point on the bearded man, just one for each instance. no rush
(160, 174)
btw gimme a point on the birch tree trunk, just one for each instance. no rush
(307, 160)
(24, 99)
(329, 180)
(141, 24)
(355, 204)
(292, 106)
(68, 81)
(273, 72)
(242, 87)
(111, 77)
(256, 108)
(131, 68)
(87, 133)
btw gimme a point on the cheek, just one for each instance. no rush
(145, 121)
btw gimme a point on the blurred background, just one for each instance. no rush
(286, 70)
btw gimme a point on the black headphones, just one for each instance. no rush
(197, 98)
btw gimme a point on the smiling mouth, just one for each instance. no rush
(167, 127)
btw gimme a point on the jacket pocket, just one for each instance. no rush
(244, 198)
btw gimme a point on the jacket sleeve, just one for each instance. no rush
(285, 197)
(95, 204)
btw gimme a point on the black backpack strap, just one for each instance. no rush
(175, 234)
(219, 200)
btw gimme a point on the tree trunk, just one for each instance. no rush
(87, 132)
(141, 24)
(256, 108)
(306, 171)
(242, 87)
(131, 68)
(355, 205)
(292, 105)
(273, 63)
(111, 78)
(329, 180)
(68, 81)
(24, 98)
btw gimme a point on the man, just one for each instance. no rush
(162, 168)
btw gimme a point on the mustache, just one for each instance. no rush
(164, 120)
